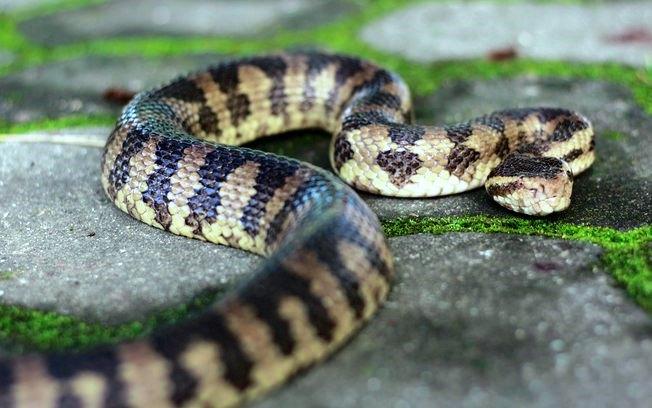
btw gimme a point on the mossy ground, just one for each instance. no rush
(626, 256)
(627, 253)
(28, 329)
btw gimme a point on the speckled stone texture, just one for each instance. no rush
(490, 321)
(591, 32)
(6, 58)
(13, 5)
(76, 87)
(122, 18)
(70, 250)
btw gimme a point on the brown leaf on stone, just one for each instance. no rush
(502, 54)
(631, 36)
(118, 96)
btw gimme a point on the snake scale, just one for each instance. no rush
(172, 162)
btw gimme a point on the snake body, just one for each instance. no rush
(170, 162)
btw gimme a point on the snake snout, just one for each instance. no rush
(531, 185)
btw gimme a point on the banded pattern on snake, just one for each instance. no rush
(169, 163)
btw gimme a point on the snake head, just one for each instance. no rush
(531, 185)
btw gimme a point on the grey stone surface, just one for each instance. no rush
(79, 136)
(592, 32)
(6, 58)
(13, 5)
(68, 249)
(490, 321)
(76, 86)
(122, 18)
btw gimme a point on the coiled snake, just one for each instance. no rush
(168, 163)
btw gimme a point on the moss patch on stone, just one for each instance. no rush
(23, 329)
(627, 253)
(10, 38)
(66, 122)
(6, 275)
(612, 135)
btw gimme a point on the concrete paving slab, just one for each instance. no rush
(69, 250)
(124, 18)
(12, 5)
(6, 58)
(597, 32)
(76, 87)
(490, 321)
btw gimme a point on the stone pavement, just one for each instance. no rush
(619, 31)
(473, 320)
(183, 18)
(76, 86)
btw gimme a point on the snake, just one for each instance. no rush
(174, 161)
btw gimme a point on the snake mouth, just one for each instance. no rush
(532, 185)
(537, 196)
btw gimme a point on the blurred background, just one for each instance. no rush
(60, 58)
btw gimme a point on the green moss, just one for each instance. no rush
(626, 256)
(6, 275)
(342, 36)
(627, 253)
(7, 128)
(24, 329)
(10, 38)
(293, 144)
(612, 135)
